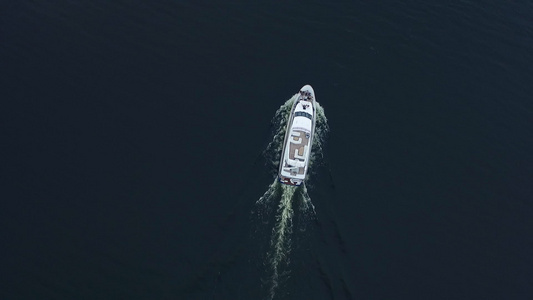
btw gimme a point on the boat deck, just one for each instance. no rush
(298, 145)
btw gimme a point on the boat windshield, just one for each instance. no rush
(303, 114)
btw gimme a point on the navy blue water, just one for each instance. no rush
(133, 136)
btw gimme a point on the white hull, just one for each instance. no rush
(296, 153)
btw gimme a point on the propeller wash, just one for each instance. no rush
(287, 195)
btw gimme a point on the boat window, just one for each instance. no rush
(303, 114)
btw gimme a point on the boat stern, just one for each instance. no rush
(290, 181)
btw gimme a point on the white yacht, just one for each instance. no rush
(296, 153)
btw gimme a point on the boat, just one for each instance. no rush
(296, 153)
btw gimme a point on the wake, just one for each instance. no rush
(286, 197)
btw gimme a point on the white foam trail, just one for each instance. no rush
(263, 205)
(280, 242)
(306, 209)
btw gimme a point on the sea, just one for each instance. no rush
(141, 140)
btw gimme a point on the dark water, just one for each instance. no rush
(133, 138)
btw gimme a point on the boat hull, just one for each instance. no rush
(296, 152)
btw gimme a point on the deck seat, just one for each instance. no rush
(295, 163)
(292, 169)
(295, 133)
(295, 141)
(297, 155)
